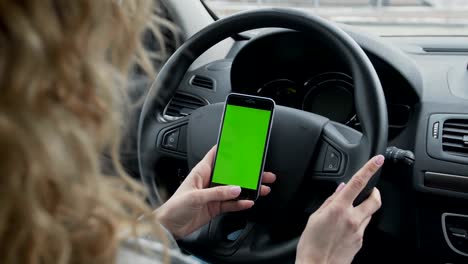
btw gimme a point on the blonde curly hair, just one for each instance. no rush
(63, 68)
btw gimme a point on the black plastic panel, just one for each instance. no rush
(448, 182)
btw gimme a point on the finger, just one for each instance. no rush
(206, 163)
(371, 204)
(268, 177)
(218, 194)
(234, 206)
(209, 157)
(359, 181)
(264, 190)
(332, 197)
(204, 167)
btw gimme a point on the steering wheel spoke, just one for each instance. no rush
(172, 138)
(342, 151)
(338, 146)
(231, 235)
(162, 139)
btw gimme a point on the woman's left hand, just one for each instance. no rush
(194, 204)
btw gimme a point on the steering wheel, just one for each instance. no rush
(303, 146)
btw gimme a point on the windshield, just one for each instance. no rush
(382, 17)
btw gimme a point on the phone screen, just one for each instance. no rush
(241, 146)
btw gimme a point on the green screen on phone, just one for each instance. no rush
(241, 146)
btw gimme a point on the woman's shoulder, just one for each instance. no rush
(145, 251)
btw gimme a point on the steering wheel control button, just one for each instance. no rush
(332, 160)
(171, 139)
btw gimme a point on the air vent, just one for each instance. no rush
(183, 105)
(202, 81)
(455, 137)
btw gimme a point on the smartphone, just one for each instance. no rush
(243, 143)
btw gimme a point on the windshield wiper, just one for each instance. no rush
(237, 36)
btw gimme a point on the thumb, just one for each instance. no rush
(209, 157)
(219, 193)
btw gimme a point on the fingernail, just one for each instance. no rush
(340, 187)
(249, 204)
(379, 160)
(235, 190)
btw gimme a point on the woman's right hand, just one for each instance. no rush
(334, 233)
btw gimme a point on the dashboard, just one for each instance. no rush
(425, 83)
(305, 74)
(300, 72)
(304, 79)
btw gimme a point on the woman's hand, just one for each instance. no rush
(335, 231)
(194, 205)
